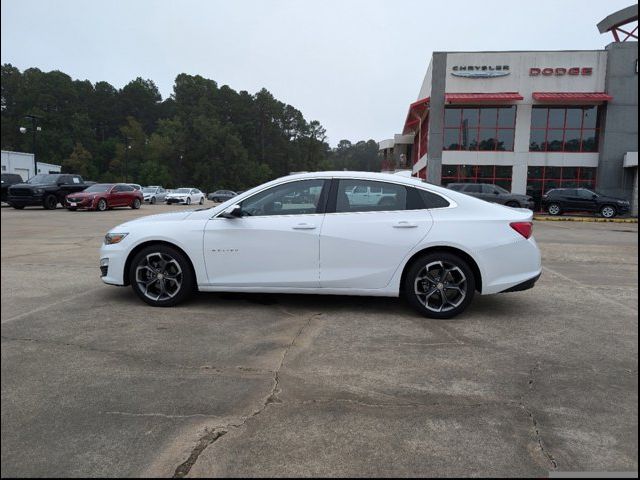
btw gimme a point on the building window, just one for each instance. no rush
(496, 174)
(479, 128)
(564, 129)
(542, 179)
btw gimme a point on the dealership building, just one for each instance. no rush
(528, 120)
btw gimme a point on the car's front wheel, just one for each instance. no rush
(50, 202)
(608, 211)
(161, 276)
(201, 202)
(152, 201)
(188, 200)
(439, 285)
(102, 205)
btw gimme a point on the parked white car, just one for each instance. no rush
(306, 234)
(186, 196)
(154, 194)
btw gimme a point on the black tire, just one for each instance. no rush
(608, 211)
(144, 270)
(188, 202)
(554, 209)
(72, 209)
(512, 204)
(458, 286)
(50, 202)
(152, 201)
(136, 204)
(18, 207)
(102, 205)
(201, 202)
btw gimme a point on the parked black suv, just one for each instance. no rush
(46, 189)
(9, 179)
(560, 200)
(493, 193)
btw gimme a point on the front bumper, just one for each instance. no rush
(79, 203)
(25, 200)
(176, 200)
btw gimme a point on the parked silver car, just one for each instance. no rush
(153, 194)
(494, 194)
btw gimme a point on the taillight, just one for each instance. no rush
(523, 228)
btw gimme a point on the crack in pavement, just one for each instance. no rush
(534, 422)
(216, 432)
(207, 439)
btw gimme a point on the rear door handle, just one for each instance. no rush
(304, 226)
(405, 224)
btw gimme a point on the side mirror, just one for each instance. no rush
(594, 196)
(277, 206)
(235, 211)
(496, 192)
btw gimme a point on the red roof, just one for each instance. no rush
(589, 97)
(482, 97)
(416, 110)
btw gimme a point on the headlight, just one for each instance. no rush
(38, 191)
(113, 238)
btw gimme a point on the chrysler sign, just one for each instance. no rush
(480, 71)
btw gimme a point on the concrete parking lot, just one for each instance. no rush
(96, 383)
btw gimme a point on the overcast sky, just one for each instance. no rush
(354, 65)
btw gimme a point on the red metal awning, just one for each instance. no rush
(482, 97)
(416, 110)
(564, 97)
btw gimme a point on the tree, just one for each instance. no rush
(79, 162)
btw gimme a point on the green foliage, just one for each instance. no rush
(203, 135)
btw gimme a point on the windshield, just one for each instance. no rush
(43, 178)
(148, 190)
(183, 190)
(500, 189)
(99, 188)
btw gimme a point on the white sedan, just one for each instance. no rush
(186, 196)
(305, 234)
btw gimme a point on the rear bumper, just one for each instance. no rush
(526, 285)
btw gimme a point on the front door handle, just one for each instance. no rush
(304, 226)
(405, 224)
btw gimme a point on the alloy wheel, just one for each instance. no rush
(102, 205)
(440, 286)
(554, 209)
(159, 276)
(608, 212)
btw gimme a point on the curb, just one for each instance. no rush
(584, 219)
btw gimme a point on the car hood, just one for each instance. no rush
(162, 217)
(85, 194)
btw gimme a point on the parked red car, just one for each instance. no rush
(102, 196)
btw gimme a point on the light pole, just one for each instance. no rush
(34, 128)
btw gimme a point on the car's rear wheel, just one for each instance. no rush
(161, 276)
(136, 204)
(554, 209)
(608, 211)
(439, 285)
(102, 205)
(50, 202)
